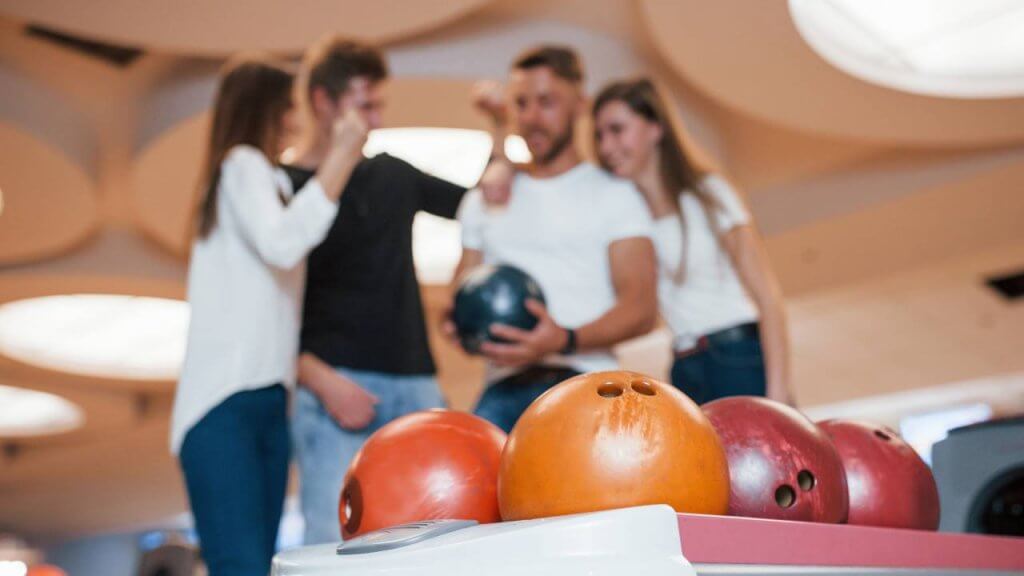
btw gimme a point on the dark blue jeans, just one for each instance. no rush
(235, 462)
(503, 402)
(733, 368)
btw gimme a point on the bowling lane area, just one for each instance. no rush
(820, 370)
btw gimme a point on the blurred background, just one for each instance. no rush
(880, 145)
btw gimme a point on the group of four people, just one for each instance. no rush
(302, 273)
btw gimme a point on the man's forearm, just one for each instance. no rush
(634, 275)
(499, 132)
(624, 321)
(310, 371)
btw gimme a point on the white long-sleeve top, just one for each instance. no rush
(245, 286)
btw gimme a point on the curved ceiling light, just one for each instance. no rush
(32, 413)
(13, 568)
(97, 335)
(455, 154)
(947, 48)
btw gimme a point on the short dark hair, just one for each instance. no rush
(562, 60)
(333, 62)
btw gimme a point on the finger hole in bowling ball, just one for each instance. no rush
(785, 496)
(883, 435)
(641, 387)
(806, 480)
(609, 390)
(352, 503)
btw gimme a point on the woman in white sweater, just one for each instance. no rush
(245, 285)
(717, 290)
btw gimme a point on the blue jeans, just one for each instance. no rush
(734, 368)
(504, 401)
(235, 463)
(324, 449)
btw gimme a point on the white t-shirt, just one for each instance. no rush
(245, 285)
(558, 230)
(711, 296)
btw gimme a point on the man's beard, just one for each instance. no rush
(558, 145)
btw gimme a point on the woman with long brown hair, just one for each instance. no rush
(717, 290)
(245, 284)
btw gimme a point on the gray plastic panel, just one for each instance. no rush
(400, 536)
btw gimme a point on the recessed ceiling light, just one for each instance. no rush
(33, 413)
(456, 155)
(97, 335)
(948, 48)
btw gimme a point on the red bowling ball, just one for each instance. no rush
(424, 466)
(889, 484)
(781, 466)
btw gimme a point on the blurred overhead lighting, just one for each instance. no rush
(456, 155)
(950, 48)
(13, 568)
(97, 335)
(32, 413)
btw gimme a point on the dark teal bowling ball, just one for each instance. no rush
(493, 295)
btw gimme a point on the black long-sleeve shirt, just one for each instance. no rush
(362, 307)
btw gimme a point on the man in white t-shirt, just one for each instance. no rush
(581, 233)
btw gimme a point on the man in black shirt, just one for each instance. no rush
(365, 356)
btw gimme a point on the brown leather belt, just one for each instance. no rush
(732, 334)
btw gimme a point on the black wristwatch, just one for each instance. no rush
(570, 343)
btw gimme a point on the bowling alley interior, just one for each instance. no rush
(806, 359)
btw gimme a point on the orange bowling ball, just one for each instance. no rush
(424, 466)
(611, 440)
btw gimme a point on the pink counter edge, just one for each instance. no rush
(732, 540)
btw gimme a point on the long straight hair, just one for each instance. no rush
(253, 96)
(679, 173)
